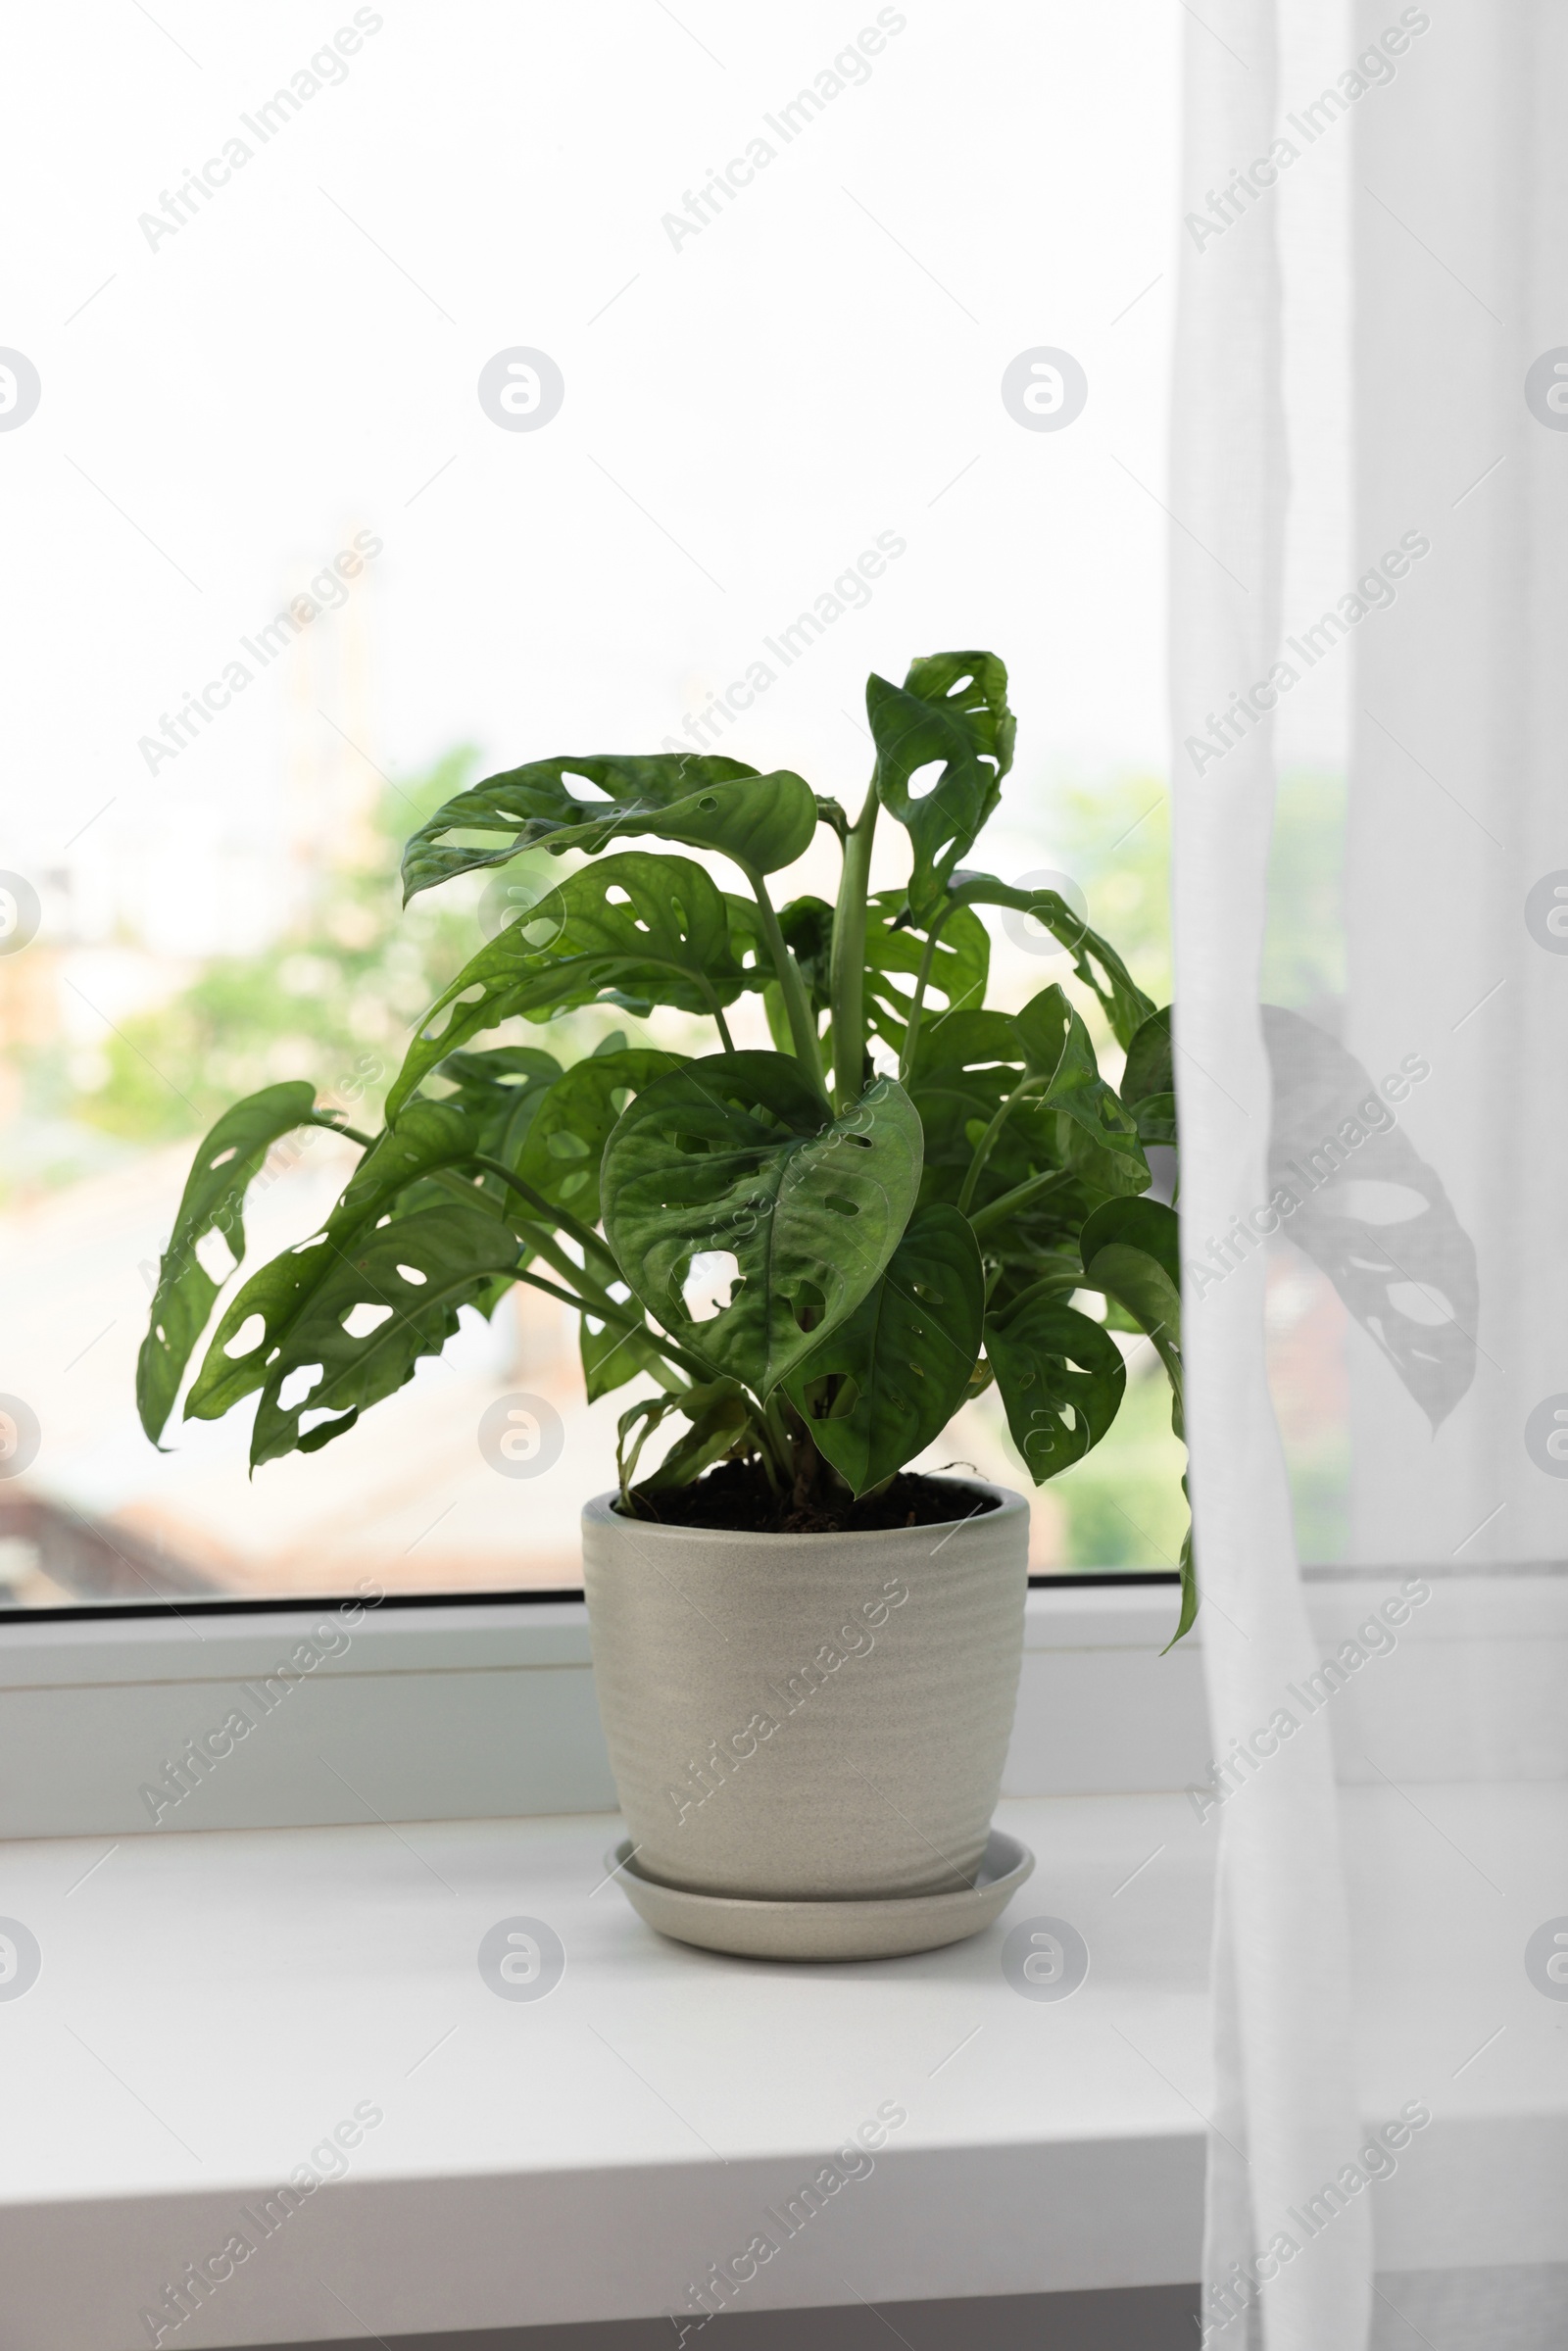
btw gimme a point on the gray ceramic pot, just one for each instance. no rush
(809, 1717)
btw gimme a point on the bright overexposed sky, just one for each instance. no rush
(746, 410)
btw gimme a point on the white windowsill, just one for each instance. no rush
(213, 2004)
(211, 2007)
(588, 2155)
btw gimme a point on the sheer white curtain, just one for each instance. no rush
(1285, 2102)
(1370, 574)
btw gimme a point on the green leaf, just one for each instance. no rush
(1157, 1120)
(762, 821)
(1095, 961)
(1189, 1594)
(965, 1066)
(632, 1431)
(966, 1042)
(961, 966)
(1068, 1125)
(611, 1356)
(1032, 1271)
(429, 1136)
(324, 1435)
(1151, 1063)
(663, 938)
(500, 1089)
(1101, 1143)
(807, 927)
(574, 1120)
(1130, 1252)
(950, 711)
(703, 1406)
(806, 924)
(1149, 1080)
(415, 1274)
(732, 1154)
(714, 1431)
(883, 1386)
(213, 1201)
(894, 950)
(1061, 1378)
(894, 947)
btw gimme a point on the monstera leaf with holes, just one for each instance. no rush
(1060, 1377)
(1129, 1252)
(430, 1139)
(1095, 964)
(1148, 1080)
(800, 1263)
(734, 1157)
(951, 714)
(381, 1305)
(1019, 1122)
(762, 821)
(567, 1139)
(651, 929)
(946, 973)
(948, 968)
(213, 1205)
(884, 1383)
(500, 1090)
(1351, 1190)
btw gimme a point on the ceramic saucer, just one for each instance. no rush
(836, 1930)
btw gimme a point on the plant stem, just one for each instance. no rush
(543, 1242)
(766, 1450)
(335, 1126)
(922, 980)
(1030, 1188)
(1053, 1285)
(598, 1302)
(987, 1143)
(717, 1012)
(807, 1460)
(792, 985)
(587, 1241)
(847, 965)
(607, 1311)
(779, 1432)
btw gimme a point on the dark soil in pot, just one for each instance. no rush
(736, 1498)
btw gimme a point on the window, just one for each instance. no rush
(292, 578)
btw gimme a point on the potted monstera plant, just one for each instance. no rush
(807, 1654)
